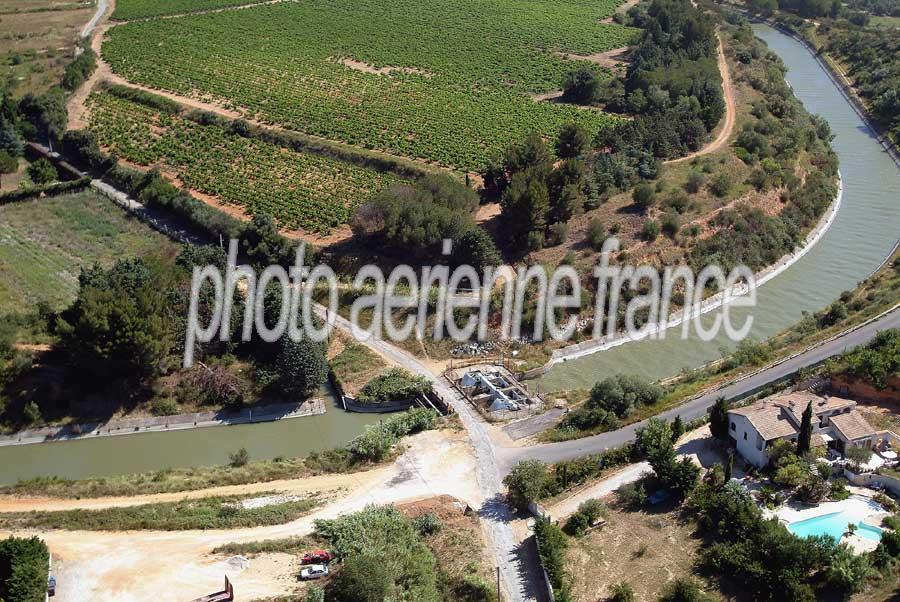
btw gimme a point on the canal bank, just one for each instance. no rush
(864, 231)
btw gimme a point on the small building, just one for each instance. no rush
(494, 389)
(836, 423)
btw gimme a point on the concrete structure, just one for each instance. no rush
(836, 424)
(494, 390)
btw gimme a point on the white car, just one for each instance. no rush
(314, 571)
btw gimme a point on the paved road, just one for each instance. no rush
(567, 450)
(102, 5)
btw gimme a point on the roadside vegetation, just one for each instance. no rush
(24, 566)
(230, 512)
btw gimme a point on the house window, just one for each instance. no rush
(733, 426)
(745, 436)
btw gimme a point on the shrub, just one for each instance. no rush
(644, 196)
(42, 172)
(428, 524)
(165, 406)
(535, 240)
(552, 544)
(632, 495)
(558, 233)
(573, 141)
(526, 483)
(650, 231)
(671, 224)
(396, 384)
(695, 182)
(720, 185)
(621, 592)
(596, 234)
(581, 520)
(301, 366)
(581, 86)
(239, 458)
(683, 590)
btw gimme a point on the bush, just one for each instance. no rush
(558, 234)
(302, 367)
(552, 544)
(671, 224)
(683, 590)
(650, 231)
(526, 483)
(581, 86)
(596, 234)
(695, 182)
(239, 458)
(644, 196)
(376, 440)
(621, 592)
(42, 172)
(428, 524)
(588, 512)
(396, 384)
(165, 406)
(632, 495)
(720, 185)
(622, 394)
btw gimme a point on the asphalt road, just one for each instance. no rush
(568, 450)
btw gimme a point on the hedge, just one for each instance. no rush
(31, 192)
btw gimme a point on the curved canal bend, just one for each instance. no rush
(865, 229)
(863, 233)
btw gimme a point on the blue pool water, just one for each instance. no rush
(834, 524)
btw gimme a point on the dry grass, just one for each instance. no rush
(645, 549)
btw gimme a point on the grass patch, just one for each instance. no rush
(355, 366)
(45, 243)
(287, 545)
(204, 513)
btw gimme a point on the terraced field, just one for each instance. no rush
(442, 81)
(301, 190)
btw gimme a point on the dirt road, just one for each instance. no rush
(730, 112)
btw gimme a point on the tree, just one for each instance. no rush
(477, 248)
(42, 172)
(10, 141)
(524, 206)
(581, 86)
(860, 456)
(526, 483)
(677, 429)
(622, 394)
(729, 467)
(123, 323)
(644, 196)
(804, 439)
(718, 419)
(23, 569)
(573, 141)
(8, 164)
(302, 367)
(46, 114)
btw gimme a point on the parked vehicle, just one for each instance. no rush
(317, 557)
(51, 586)
(314, 571)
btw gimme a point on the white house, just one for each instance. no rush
(836, 423)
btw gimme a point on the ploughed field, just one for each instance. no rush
(443, 81)
(301, 190)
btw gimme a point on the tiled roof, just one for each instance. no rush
(769, 419)
(796, 403)
(852, 426)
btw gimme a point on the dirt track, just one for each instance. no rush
(730, 112)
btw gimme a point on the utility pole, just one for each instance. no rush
(498, 584)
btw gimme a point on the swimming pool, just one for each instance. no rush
(834, 524)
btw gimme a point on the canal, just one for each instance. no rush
(863, 233)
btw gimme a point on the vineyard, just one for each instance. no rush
(142, 9)
(443, 82)
(301, 190)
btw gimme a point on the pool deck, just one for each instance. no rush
(858, 508)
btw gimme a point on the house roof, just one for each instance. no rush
(769, 419)
(796, 403)
(852, 426)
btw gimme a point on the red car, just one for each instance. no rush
(317, 557)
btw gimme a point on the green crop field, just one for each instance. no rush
(301, 190)
(456, 78)
(44, 244)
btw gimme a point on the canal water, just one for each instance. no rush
(120, 454)
(863, 233)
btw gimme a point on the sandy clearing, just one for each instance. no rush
(730, 112)
(177, 566)
(609, 59)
